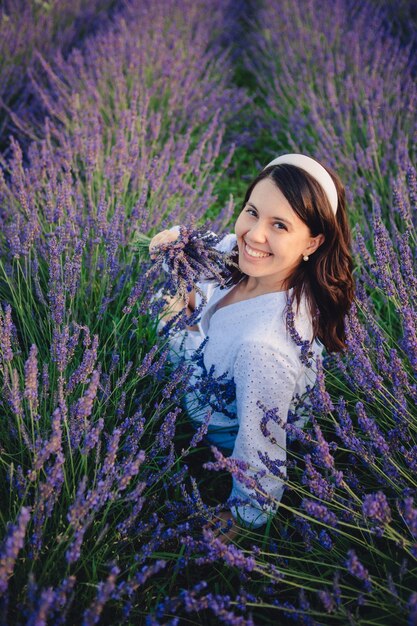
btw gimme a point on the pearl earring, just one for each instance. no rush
(305, 258)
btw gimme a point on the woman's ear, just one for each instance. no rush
(315, 242)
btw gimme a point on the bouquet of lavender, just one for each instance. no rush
(190, 259)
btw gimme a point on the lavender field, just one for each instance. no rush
(119, 118)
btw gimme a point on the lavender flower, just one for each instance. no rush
(31, 379)
(375, 507)
(236, 467)
(15, 398)
(409, 512)
(357, 570)
(6, 328)
(320, 512)
(327, 599)
(85, 404)
(317, 484)
(228, 552)
(13, 543)
(306, 353)
(192, 258)
(199, 433)
(51, 602)
(85, 369)
(92, 614)
(47, 447)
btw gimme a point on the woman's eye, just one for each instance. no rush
(251, 212)
(280, 226)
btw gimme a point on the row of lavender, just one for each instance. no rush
(29, 28)
(96, 499)
(333, 82)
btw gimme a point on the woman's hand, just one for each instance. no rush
(174, 303)
(225, 537)
(165, 236)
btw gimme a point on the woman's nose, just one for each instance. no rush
(258, 232)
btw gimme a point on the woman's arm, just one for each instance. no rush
(263, 374)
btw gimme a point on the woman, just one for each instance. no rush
(264, 332)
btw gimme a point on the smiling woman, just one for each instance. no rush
(255, 347)
(271, 238)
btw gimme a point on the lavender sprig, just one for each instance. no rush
(193, 257)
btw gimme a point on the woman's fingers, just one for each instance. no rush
(165, 236)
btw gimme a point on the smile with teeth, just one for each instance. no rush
(255, 253)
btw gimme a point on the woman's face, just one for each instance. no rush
(271, 238)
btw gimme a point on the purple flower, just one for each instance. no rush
(200, 432)
(84, 405)
(357, 570)
(140, 578)
(50, 446)
(92, 436)
(86, 367)
(104, 591)
(12, 545)
(319, 511)
(409, 513)
(371, 428)
(308, 534)
(59, 348)
(229, 553)
(191, 258)
(322, 451)
(31, 378)
(6, 328)
(142, 370)
(325, 540)
(317, 484)
(375, 506)
(306, 353)
(236, 467)
(15, 397)
(327, 599)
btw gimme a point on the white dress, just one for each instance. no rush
(248, 358)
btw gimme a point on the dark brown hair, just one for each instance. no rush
(326, 279)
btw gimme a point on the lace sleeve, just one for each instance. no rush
(265, 379)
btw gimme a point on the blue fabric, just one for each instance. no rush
(223, 438)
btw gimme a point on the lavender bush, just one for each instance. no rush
(93, 486)
(120, 111)
(27, 28)
(335, 83)
(86, 477)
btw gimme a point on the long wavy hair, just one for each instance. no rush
(326, 280)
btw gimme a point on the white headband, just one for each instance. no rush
(313, 168)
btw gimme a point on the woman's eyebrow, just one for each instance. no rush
(280, 219)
